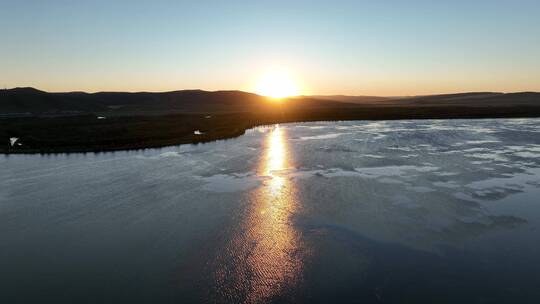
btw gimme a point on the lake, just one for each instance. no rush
(433, 211)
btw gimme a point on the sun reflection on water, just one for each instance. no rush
(265, 253)
(275, 160)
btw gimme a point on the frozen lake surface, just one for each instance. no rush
(434, 211)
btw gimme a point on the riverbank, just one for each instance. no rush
(95, 133)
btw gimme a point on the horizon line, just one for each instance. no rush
(249, 92)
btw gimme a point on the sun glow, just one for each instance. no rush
(277, 84)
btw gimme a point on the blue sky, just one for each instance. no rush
(331, 47)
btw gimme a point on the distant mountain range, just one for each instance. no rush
(30, 101)
(470, 98)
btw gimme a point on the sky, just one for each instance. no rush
(385, 48)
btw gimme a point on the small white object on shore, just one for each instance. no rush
(101, 117)
(13, 140)
(197, 132)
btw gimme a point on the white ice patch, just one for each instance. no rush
(375, 172)
(488, 156)
(373, 156)
(174, 154)
(528, 151)
(324, 136)
(443, 173)
(527, 154)
(473, 150)
(406, 149)
(479, 142)
(410, 155)
(170, 154)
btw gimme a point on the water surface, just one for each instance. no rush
(374, 212)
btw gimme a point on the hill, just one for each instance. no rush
(33, 102)
(36, 102)
(474, 99)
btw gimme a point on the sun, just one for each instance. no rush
(277, 84)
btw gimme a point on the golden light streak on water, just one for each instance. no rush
(276, 159)
(264, 258)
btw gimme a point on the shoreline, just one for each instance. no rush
(64, 135)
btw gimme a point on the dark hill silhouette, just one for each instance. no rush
(22, 100)
(471, 99)
(352, 99)
(29, 100)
